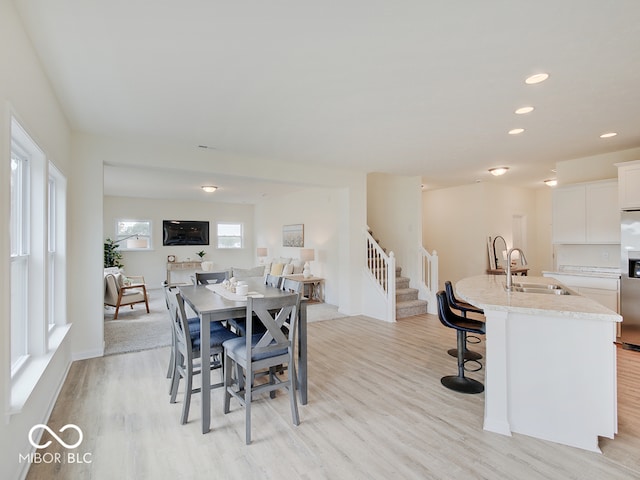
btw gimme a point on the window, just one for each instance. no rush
(51, 252)
(230, 235)
(133, 234)
(19, 233)
(37, 229)
(56, 247)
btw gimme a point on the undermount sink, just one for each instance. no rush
(551, 286)
(549, 289)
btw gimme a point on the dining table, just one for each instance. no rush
(212, 306)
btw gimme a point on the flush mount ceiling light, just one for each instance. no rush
(523, 110)
(497, 171)
(516, 131)
(537, 78)
(608, 135)
(551, 182)
(209, 188)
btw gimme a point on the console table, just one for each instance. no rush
(312, 287)
(181, 267)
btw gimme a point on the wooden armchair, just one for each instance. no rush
(118, 293)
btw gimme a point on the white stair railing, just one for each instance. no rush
(381, 268)
(429, 281)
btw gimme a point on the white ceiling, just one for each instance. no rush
(417, 87)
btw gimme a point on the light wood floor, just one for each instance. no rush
(376, 410)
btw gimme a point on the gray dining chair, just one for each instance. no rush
(273, 280)
(205, 278)
(291, 286)
(187, 351)
(260, 353)
(239, 324)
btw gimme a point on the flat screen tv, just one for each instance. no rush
(185, 232)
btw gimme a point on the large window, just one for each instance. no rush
(230, 235)
(37, 229)
(19, 233)
(56, 247)
(133, 234)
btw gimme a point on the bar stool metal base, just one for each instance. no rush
(462, 384)
(468, 354)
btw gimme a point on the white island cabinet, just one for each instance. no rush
(550, 362)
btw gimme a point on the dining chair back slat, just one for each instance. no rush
(262, 353)
(205, 278)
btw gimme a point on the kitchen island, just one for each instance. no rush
(550, 362)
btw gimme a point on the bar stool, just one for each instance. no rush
(462, 325)
(464, 307)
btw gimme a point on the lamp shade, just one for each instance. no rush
(137, 243)
(307, 254)
(261, 252)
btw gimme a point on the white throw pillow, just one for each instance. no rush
(288, 269)
(298, 266)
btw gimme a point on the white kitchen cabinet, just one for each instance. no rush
(586, 213)
(569, 214)
(604, 290)
(629, 181)
(602, 212)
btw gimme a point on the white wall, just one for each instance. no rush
(593, 168)
(322, 211)
(25, 91)
(152, 264)
(395, 220)
(458, 220)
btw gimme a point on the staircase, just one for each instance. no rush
(389, 296)
(407, 302)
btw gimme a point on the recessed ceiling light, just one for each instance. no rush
(523, 110)
(497, 171)
(537, 78)
(516, 131)
(209, 188)
(608, 135)
(552, 182)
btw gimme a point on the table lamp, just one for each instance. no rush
(307, 255)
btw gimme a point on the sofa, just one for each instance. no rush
(279, 266)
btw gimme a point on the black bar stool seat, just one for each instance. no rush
(462, 325)
(463, 307)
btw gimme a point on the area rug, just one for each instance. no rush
(137, 330)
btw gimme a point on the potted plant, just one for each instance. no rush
(112, 256)
(201, 254)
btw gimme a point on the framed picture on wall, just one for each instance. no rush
(293, 235)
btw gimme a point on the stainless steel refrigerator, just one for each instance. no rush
(630, 278)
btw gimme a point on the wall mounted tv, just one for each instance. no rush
(185, 232)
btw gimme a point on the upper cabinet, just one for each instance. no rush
(629, 181)
(586, 213)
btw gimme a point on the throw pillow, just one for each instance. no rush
(298, 266)
(288, 269)
(276, 269)
(120, 279)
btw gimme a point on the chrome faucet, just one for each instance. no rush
(524, 262)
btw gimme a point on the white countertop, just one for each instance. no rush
(488, 293)
(586, 271)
